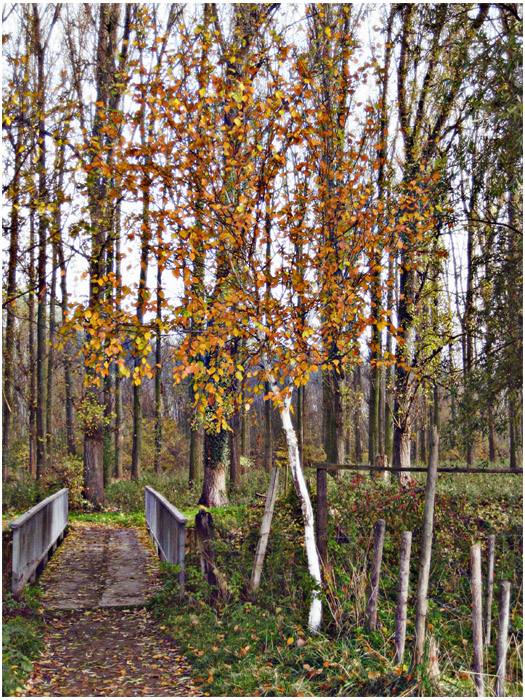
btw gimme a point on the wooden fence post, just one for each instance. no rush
(265, 529)
(477, 617)
(426, 549)
(490, 587)
(402, 596)
(503, 631)
(371, 610)
(322, 516)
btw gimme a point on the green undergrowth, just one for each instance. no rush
(22, 639)
(239, 646)
(111, 517)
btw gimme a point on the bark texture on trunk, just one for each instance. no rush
(268, 432)
(214, 485)
(136, 455)
(196, 454)
(401, 452)
(94, 468)
(235, 449)
(119, 472)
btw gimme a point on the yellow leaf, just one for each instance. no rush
(328, 32)
(290, 641)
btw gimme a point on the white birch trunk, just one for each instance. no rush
(314, 566)
(312, 555)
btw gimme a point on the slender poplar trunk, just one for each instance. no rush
(118, 470)
(42, 253)
(68, 378)
(492, 435)
(51, 352)
(357, 415)
(268, 432)
(158, 373)
(235, 448)
(9, 334)
(301, 391)
(32, 346)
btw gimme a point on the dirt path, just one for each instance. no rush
(100, 640)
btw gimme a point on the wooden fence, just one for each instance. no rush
(424, 569)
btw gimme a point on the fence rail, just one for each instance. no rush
(167, 527)
(373, 468)
(35, 537)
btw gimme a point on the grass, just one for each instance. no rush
(241, 647)
(22, 639)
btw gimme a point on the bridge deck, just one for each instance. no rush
(99, 641)
(100, 567)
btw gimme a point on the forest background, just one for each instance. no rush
(189, 191)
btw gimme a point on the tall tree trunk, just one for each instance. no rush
(389, 371)
(118, 470)
(357, 415)
(235, 448)
(68, 378)
(109, 391)
(158, 372)
(235, 423)
(196, 452)
(492, 435)
(245, 421)
(108, 97)
(268, 432)
(136, 455)
(93, 464)
(9, 334)
(373, 408)
(301, 393)
(514, 441)
(51, 351)
(215, 460)
(32, 346)
(381, 412)
(42, 196)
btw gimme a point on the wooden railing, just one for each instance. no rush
(167, 527)
(35, 537)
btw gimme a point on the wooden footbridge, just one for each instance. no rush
(107, 567)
